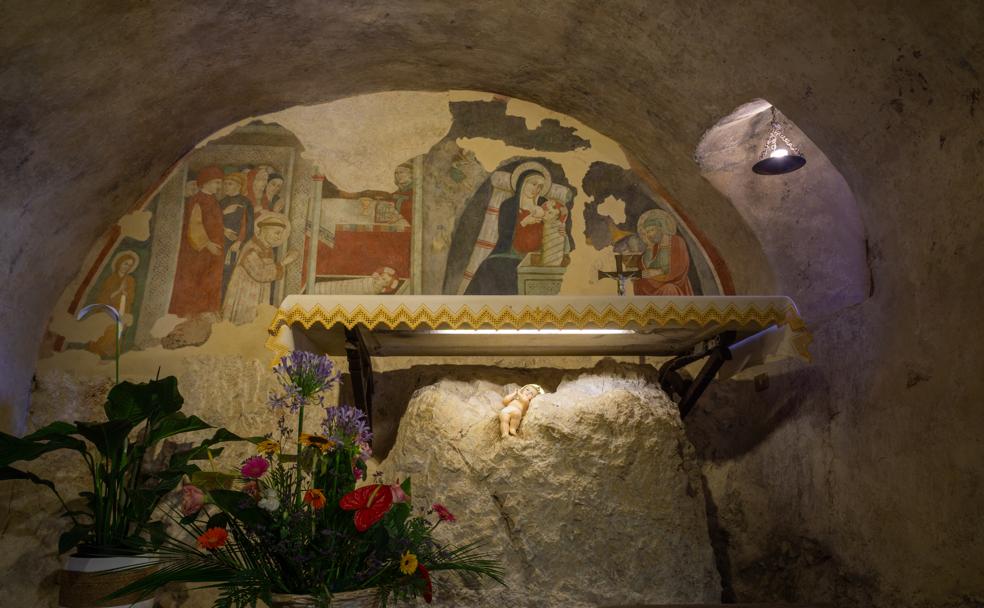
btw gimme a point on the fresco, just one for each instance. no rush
(515, 233)
(399, 193)
(667, 257)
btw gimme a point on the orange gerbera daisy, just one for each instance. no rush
(213, 538)
(315, 498)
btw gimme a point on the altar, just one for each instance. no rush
(727, 333)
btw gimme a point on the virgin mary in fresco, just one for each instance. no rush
(517, 232)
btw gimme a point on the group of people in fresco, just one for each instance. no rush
(233, 222)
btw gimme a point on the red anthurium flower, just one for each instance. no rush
(370, 504)
(428, 588)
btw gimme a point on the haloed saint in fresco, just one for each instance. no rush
(257, 269)
(525, 223)
(663, 260)
(119, 291)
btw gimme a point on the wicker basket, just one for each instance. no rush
(362, 598)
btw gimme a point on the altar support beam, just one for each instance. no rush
(360, 370)
(717, 351)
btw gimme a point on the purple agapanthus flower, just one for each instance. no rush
(303, 377)
(346, 424)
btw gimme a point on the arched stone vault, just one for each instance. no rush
(98, 99)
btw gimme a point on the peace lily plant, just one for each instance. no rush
(296, 524)
(119, 505)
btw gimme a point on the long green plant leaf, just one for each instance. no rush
(138, 402)
(15, 449)
(174, 424)
(109, 437)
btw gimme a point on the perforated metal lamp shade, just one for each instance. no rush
(778, 165)
(773, 161)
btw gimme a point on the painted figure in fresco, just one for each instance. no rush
(403, 197)
(514, 408)
(665, 261)
(272, 201)
(520, 231)
(256, 183)
(118, 290)
(382, 281)
(197, 285)
(257, 268)
(363, 232)
(554, 245)
(237, 218)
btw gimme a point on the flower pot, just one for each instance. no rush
(82, 583)
(361, 598)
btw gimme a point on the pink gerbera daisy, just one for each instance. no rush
(443, 512)
(255, 467)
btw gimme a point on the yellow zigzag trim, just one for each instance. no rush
(538, 317)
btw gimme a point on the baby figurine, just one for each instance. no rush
(514, 408)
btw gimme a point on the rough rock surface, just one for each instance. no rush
(598, 501)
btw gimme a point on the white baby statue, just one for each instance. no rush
(514, 408)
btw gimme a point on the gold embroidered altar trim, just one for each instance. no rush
(583, 313)
(537, 317)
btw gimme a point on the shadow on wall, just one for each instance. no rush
(733, 417)
(807, 221)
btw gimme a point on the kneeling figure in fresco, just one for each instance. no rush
(514, 408)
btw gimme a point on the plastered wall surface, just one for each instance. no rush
(866, 461)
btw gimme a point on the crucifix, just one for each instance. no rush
(621, 274)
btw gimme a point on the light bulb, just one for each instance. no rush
(779, 153)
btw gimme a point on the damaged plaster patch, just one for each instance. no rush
(613, 208)
(136, 225)
(490, 119)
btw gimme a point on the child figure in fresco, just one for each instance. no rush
(554, 245)
(514, 408)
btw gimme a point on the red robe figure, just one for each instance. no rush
(665, 263)
(198, 278)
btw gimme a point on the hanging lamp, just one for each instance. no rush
(776, 160)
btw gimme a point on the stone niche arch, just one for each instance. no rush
(386, 193)
(807, 222)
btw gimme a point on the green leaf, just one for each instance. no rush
(174, 424)
(200, 452)
(14, 449)
(219, 520)
(55, 429)
(241, 506)
(12, 473)
(108, 437)
(405, 486)
(138, 402)
(156, 533)
(72, 538)
(213, 480)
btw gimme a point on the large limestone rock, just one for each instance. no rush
(598, 501)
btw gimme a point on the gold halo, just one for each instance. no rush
(125, 254)
(668, 221)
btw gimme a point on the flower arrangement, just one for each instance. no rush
(296, 523)
(117, 517)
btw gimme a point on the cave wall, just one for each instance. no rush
(871, 466)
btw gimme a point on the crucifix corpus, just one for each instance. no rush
(621, 274)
